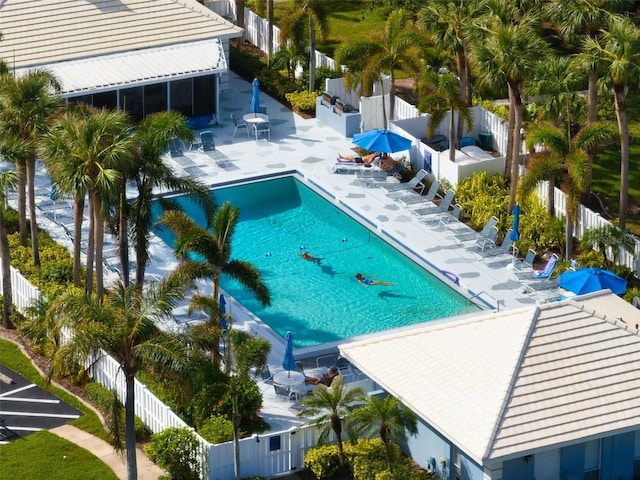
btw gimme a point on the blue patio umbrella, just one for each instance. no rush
(288, 362)
(255, 98)
(223, 310)
(587, 280)
(515, 228)
(382, 140)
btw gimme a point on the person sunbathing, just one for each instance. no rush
(366, 281)
(324, 379)
(366, 160)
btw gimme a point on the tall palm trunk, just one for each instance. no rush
(516, 100)
(336, 425)
(31, 182)
(78, 218)
(236, 428)
(88, 281)
(461, 65)
(99, 246)
(452, 133)
(312, 55)
(123, 231)
(5, 258)
(130, 427)
(240, 20)
(509, 155)
(384, 107)
(592, 117)
(623, 127)
(22, 202)
(270, 30)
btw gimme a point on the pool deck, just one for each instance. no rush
(309, 148)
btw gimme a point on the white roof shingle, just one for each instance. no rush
(504, 383)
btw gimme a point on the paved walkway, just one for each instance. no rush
(147, 470)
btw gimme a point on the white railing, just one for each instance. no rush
(588, 220)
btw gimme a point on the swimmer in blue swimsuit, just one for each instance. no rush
(362, 280)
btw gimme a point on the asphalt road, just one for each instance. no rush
(26, 408)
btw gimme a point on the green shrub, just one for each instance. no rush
(323, 461)
(176, 450)
(305, 101)
(103, 398)
(482, 196)
(632, 292)
(216, 429)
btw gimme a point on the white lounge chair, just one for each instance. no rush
(418, 182)
(412, 198)
(445, 204)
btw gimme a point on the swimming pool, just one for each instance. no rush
(281, 218)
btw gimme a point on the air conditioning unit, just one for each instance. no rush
(329, 99)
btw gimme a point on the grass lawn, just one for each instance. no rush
(606, 171)
(14, 359)
(45, 455)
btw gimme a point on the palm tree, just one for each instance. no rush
(149, 172)
(445, 99)
(567, 160)
(450, 24)
(123, 324)
(25, 107)
(245, 352)
(396, 46)
(84, 152)
(388, 418)
(508, 55)
(315, 14)
(618, 51)
(608, 238)
(329, 408)
(212, 259)
(288, 57)
(8, 181)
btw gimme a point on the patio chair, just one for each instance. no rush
(239, 124)
(207, 141)
(411, 198)
(418, 182)
(284, 392)
(175, 147)
(444, 206)
(262, 128)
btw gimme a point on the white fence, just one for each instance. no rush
(588, 220)
(23, 292)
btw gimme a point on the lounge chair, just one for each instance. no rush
(474, 236)
(444, 206)
(412, 198)
(206, 138)
(175, 147)
(352, 167)
(534, 275)
(525, 264)
(487, 239)
(446, 218)
(418, 182)
(503, 249)
(239, 124)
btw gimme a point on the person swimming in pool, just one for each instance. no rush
(310, 258)
(366, 281)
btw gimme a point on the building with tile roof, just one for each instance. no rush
(544, 392)
(140, 55)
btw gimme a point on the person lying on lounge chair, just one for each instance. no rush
(324, 379)
(366, 281)
(366, 160)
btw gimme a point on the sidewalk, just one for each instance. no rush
(147, 470)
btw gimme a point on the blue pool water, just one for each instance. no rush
(281, 218)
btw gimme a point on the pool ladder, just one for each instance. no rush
(477, 295)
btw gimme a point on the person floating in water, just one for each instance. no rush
(366, 281)
(310, 258)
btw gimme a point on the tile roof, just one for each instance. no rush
(504, 383)
(41, 32)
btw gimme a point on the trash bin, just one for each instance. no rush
(484, 140)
